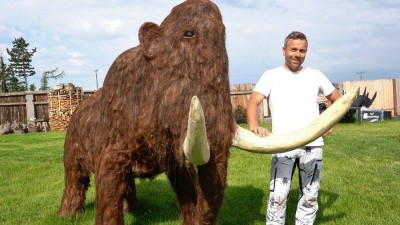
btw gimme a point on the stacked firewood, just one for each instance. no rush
(63, 100)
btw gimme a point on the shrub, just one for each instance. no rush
(240, 114)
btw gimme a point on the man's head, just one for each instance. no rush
(294, 50)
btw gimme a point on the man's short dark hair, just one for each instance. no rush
(295, 35)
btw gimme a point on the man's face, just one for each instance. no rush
(295, 53)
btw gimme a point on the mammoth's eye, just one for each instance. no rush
(189, 34)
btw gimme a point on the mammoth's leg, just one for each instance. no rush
(111, 187)
(183, 181)
(130, 199)
(76, 182)
(212, 179)
(200, 195)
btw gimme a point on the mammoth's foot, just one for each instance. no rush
(130, 206)
(71, 207)
(130, 201)
(73, 199)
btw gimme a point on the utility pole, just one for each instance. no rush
(361, 74)
(97, 84)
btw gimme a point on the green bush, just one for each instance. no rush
(240, 114)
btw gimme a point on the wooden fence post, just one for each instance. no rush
(30, 107)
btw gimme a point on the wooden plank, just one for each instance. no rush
(41, 103)
(12, 103)
(241, 92)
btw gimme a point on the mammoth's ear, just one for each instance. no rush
(149, 37)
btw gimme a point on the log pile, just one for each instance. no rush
(63, 100)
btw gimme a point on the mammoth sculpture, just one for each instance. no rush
(138, 126)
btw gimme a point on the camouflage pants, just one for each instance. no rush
(309, 163)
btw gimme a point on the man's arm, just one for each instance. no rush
(335, 95)
(252, 114)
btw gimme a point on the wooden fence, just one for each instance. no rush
(23, 106)
(387, 90)
(240, 95)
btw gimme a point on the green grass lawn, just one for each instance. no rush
(360, 185)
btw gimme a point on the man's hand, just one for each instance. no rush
(252, 114)
(260, 131)
(328, 132)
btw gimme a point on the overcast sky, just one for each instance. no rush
(345, 37)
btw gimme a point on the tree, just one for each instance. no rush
(3, 74)
(13, 83)
(52, 74)
(20, 62)
(32, 87)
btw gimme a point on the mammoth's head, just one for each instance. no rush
(185, 56)
(191, 38)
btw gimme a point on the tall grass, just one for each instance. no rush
(360, 182)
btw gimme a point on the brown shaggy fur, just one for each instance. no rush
(135, 125)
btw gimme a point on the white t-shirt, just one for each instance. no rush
(293, 97)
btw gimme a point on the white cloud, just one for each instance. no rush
(75, 54)
(76, 62)
(113, 25)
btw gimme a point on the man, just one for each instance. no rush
(292, 92)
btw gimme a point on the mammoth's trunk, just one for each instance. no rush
(195, 145)
(276, 143)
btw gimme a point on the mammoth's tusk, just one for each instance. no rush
(195, 145)
(276, 143)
